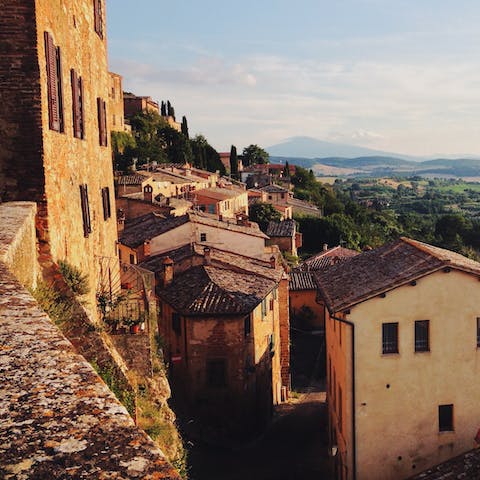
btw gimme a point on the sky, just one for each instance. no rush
(395, 75)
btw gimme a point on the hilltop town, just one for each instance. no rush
(155, 293)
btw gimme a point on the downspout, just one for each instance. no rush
(354, 433)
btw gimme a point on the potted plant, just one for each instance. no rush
(134, 323)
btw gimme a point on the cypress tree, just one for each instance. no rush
(163, 109)
(185, 126)
(233, 161)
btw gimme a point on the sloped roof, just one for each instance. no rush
(219, 193)
(329, 257)
(136, 179)
(299, 206)
(366, 275)
(274, 189)
(285, 228)
(144, 228)
(302, 281)
(211, 290)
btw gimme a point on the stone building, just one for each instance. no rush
(403, 353)
(134, 104)
(285, 235)
(54, 127)
(115, 104)
(226, 334)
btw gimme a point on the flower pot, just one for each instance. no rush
(134, 329)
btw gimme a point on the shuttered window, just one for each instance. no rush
(87, 226)
(54, 84)
(107, 213)
(98, 17)
(77, 105)
(102, 121)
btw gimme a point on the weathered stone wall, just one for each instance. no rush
(115, 96)
(18, 246)
(283, 301)
(135, 351)
(58, 418)
(21, 169)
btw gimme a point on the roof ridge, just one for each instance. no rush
(425, 248)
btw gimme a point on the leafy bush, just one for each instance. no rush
(74, 278)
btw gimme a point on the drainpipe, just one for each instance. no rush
(354, 433)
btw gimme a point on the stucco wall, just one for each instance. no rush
(398, 394)
(307, 298)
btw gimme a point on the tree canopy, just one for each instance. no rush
(254, 154)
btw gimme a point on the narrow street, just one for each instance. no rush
(295, 445)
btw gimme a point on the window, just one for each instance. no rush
(390, 338)
(275, 293)
(271, 344)
(216, 377)
(478, 332)
(272, 304)
(102, 122)
(98, 17)
(247, 326)
(77, 105)
(132, 259)
(445, 418)
(211, 208)
(107, 212)
(203, 237)
(264, 307)
(422, 341)
(54, 84)
(87, 226)
(176, 325)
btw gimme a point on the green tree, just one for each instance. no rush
(163, 109)
(176, 145)
(185, 126)
(123, 146)
(205, 156)
(254, 154)
(233, 161)
(262, 213)
(149, 145)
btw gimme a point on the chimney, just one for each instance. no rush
(146, 249)
(167, 271)
(207, 259)
(325, 247)
(273, 262)
(148, 193)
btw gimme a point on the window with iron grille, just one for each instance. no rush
(422, 335)
(216, 373)
(54, 84)
(390, 338)
(87, 226)
(445, 418)
(77, 105)
(107, 212)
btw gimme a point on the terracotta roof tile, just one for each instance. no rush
(371, 273)
(285, 228)
(325, 259)
(302, 281)
(274, 189)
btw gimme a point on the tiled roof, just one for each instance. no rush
(132, 179)
(387, 267)
(325, 259)
(209, 290)
(140, 229)
(219, 193)
(285, 228)
(302, 281)
(274, 189)
(466, 466)
(299, 206)
(219, 258)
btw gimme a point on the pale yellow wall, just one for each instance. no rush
(402, 421)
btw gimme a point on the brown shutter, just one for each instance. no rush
(107, 213)
(102, 122)
(52, 83)
(87, 226)
(98, 17)
(75, 106)
(60, 89)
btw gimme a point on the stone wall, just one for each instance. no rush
(58, 418)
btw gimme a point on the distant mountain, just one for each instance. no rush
(308, 147)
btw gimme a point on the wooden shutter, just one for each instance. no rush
(87, 226)
(52, 83)
(102, 121)
(107, 213)
(98, 17)
(77, 105)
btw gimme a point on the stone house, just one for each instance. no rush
(285, 235)
(134, 104)
(152, 234)
(225, 202)
(304, 302)
(115, 104)
(226, 335)
(403, 346)
(54, 125)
